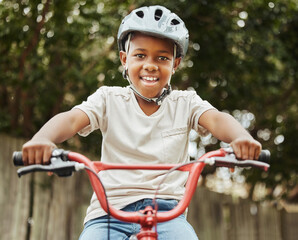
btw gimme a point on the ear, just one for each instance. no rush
(177, 63)
(123, 58)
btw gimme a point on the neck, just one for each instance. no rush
(147, 107)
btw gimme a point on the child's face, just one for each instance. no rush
(150, 63)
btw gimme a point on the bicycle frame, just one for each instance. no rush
(148, 217)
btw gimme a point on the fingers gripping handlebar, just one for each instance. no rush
(18, 158)
(229, 160)
(263, 157)
(59, 164)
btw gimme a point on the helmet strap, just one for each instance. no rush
(158, 100)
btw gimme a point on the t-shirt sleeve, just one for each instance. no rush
(198, 107)
(95, 108)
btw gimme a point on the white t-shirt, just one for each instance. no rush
(132, 137)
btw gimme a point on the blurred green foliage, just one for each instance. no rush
(243, 58)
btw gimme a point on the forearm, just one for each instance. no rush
(226, 128)
(57, 129)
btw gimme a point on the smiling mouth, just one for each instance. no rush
(149, 79)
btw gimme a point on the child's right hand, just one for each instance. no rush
(37, 151)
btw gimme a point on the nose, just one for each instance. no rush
(150, 66)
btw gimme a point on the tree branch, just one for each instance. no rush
(17, 96)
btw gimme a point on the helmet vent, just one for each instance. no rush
(158, 14)
(140, 14)
(175, 22)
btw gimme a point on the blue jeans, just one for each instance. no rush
(178, 228)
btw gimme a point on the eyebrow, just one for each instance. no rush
(159, 51)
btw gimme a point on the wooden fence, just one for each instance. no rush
(39, 207)
(218, 216)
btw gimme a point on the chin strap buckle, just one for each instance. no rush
(157, 101)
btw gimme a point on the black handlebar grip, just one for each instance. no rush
(264, 156)
(17, 159)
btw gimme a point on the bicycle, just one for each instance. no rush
(64, 163)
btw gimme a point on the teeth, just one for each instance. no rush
(149, 78)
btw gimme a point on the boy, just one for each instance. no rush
(146, 122)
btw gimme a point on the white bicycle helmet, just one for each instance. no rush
(156, 21)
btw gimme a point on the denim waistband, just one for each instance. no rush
(163, 204)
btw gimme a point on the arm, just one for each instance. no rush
(226, 128)
(58, 129)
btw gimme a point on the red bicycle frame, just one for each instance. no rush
(148, 217)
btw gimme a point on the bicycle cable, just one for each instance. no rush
(167, 174)
(106, 197)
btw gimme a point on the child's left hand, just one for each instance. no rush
(246, 148)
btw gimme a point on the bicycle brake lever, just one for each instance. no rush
(230, 162)
(57, 166)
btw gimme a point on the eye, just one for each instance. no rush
(139, 55)
(163, 58)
